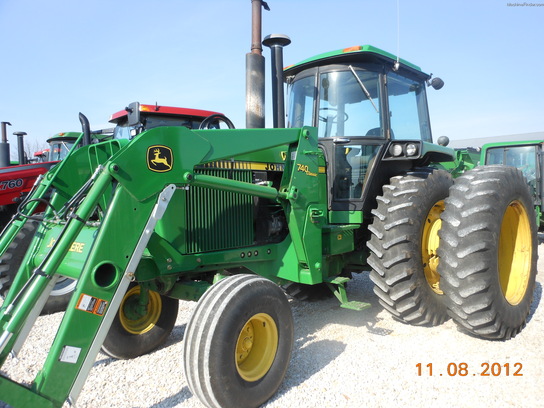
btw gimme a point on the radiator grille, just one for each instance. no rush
(218, 220)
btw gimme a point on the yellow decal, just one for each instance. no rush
(76, 246)
(305, 169)
(159, 158)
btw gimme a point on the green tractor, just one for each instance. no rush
(525, 155)
(229, 217)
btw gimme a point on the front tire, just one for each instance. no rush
(488, 254)
(12, 260)
(403, 246)
(134, 333)
(238, 343)
(14, 255)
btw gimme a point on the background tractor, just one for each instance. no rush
(224, 217)
(17, 180)
(525, 155)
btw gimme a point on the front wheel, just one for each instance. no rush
(140, 327)
(11, 261)
(238, 342)
(488, 254)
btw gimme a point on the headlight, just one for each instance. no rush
(411, 149)
(395, 150)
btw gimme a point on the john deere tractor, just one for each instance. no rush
(227, 218)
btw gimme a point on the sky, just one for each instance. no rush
(62, 57)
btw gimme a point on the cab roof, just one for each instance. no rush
(358, 53)
(165, 110)
(64, 136)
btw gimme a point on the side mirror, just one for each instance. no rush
(443, 140)
(133, 111)
(437, 83)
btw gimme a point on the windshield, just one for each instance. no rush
(59, 149)
(345, 107)
(522, 157)
(349, 103)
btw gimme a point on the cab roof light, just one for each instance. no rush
(352, 49)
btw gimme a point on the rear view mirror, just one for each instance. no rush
(133, 111)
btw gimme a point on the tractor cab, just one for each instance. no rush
(372, 118)
(60, 145)
(137, 118)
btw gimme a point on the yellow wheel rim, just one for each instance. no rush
(429, 246)
(144, 323)
(256, 347)
(515, 251)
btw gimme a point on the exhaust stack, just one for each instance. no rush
(276, 42)
(21, 146)
(255, 70)
(4, 146)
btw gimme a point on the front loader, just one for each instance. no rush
(229, 217)
(134, 119)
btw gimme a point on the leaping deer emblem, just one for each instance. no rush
(159, 158)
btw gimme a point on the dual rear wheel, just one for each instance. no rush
(465, 250)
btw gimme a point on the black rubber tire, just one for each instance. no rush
(124, 344)
(12, 260)
(470, 251)
(13, 257)
(211, 337)
(398, 269)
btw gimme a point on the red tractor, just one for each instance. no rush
(16, 180)
(136, 118)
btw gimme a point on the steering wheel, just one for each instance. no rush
(215, 117)
(326, 118)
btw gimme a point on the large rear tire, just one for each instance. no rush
(238, 343)
(403, 246)
(134, 333)
(488, 252)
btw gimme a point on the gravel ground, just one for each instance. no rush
(341, 358)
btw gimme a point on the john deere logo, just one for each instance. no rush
(159, 158)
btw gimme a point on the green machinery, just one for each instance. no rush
(224, 217)
(525, 155)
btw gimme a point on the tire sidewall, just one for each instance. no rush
(470, 258)
(509, 192)
(222, 366)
